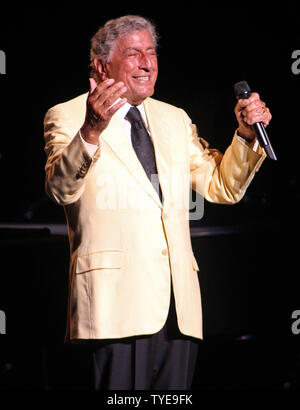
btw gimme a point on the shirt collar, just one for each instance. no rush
(125, 108)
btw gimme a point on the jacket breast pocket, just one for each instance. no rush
(106, 259)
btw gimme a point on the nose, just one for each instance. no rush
(145, 62)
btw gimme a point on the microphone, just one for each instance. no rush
(242, 91)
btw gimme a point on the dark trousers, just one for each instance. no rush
(162, 361)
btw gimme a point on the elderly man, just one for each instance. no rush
(113, 157)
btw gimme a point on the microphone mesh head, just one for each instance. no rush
(242, 89)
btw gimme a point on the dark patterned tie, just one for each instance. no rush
(143, 147)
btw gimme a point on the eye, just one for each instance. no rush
(151, 51)
(132, 53)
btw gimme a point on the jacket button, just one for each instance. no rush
(165, 252)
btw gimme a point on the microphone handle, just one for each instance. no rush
(263, 139)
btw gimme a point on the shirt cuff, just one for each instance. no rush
(92, 148)
(252, 145)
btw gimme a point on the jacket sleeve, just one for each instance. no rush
(221, 178)
(68, 161)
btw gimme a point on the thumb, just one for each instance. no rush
(93, 85)
(243, 102)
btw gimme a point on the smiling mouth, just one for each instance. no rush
(142, 78)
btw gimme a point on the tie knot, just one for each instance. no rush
(134, 115)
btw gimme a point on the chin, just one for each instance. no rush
(138, 99)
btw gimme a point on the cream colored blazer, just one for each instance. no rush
(125, 247)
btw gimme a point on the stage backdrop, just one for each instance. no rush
(44, 60)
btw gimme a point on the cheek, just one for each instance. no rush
(155, 75)
(121, 74)
(126, 75)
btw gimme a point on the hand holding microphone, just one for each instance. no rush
(253, 116)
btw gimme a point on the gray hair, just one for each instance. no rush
(102, 43)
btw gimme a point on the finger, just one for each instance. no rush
(101, 87)
(242, 103)
(255, 117)
(256, 109)
(253, 97)
(268, 117)
(114, 108)
(260, 110)
(111, 100)
(93, 85)
(108, 96)
(255, 105)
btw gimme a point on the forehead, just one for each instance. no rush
(138, 39)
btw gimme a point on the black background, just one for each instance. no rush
(202, 52)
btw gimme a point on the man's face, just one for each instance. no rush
(134, 61)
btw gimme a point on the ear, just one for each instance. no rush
(100, 67)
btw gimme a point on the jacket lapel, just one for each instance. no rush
(160, 136)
